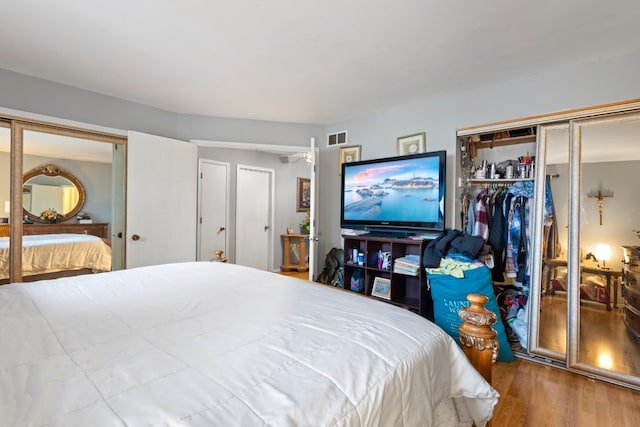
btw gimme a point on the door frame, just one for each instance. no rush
(272, 200)
(311, 149)
(227, 203)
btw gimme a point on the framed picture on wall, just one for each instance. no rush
(381, 288)
(412, 144)
(348, 154)
(303, 195)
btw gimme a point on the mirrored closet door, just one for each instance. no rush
(59, 182)
(549, 333)
(588, 210)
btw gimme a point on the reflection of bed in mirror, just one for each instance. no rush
(56, 250)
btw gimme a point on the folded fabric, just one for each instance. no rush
(454, 266)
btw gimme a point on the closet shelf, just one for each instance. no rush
(501, 180)
(502, 142)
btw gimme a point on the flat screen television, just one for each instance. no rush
(399, 195)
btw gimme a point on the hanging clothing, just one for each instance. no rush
(496, 236)
(481, 217)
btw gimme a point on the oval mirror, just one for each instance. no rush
(51, 194)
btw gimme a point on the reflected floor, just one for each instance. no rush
(604, 340)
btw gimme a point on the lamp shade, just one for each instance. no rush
(603, 252)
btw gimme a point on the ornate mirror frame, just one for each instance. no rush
(53, 170)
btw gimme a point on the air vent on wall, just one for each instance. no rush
(337, 138)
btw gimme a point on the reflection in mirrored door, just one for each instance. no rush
(5, 198)
(552, 297)
(5, 172)
(609, 212)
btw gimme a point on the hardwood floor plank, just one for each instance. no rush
(533, 394)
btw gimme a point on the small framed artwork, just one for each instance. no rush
(381, 288)
(303, 195)
(349, 154)
(412, 144)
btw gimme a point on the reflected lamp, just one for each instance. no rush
(603, 253)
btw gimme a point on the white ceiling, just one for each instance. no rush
(304, 61)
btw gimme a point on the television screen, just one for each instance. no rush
(396, 194)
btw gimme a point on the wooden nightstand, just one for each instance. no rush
(294, 248)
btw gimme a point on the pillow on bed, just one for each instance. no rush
(450, 295)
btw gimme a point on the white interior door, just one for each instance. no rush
(213, 203)
(313, 235)
(161, 200)
(254, 217)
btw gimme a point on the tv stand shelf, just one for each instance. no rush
(407, 291)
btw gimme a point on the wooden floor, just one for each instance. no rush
(299, 274)
(533, 394)
(604, 340)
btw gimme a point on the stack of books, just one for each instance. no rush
(408, 264)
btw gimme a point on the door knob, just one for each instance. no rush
(221, 229)
(266, 227)
(119, 235)
(135, 237)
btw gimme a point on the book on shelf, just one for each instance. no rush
(406, 272)
(408, 264)
(409, 260)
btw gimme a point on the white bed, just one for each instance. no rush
(222, 345)
(50, 253)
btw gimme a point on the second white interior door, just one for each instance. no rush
(214, 211)
(254, 218)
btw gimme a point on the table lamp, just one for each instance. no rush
(603, 253)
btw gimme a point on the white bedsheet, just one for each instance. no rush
(221, 345)
(48, 253)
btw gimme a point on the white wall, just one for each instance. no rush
(579, 85)
(604, 80)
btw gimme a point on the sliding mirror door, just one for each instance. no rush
(606, 209)
(589, 209)
(60, 184)
(549, 333)
(5, 197)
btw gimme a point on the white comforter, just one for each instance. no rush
(221, 345)
(48, 253)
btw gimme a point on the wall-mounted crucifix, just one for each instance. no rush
(600, 196)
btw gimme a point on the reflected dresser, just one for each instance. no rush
(632, 290)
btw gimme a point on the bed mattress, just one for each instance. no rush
(222, 345)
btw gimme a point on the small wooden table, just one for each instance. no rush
(294, 248)
(611, 276)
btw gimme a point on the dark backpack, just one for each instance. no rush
(333, 267)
